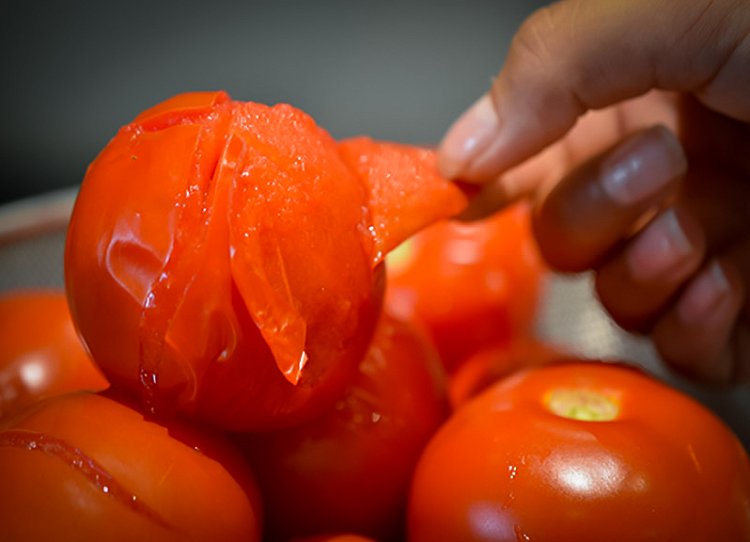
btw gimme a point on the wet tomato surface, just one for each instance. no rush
(581, 452)
(87, 467)
(349, 470)
(473, 285)
(40, 353)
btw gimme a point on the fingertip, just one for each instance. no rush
(596, 206)
(706, 298)
(693, 337)
(642, 165)
(669, 248)
(638, 283)
(530, 179)
(484, 201)
(474, 131)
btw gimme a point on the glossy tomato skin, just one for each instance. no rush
(473, 285)
(221, 260)
(86, 467)
(349, 470)
(506, 467)
(40, 352)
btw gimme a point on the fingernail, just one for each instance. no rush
(704, 296)
(468, 137)
(660, 249)
(642, 166)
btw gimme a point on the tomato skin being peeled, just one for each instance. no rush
(349, 470)
(40, 352)
(85, 467)
(582, 452)
(474, 286)
(221, 260)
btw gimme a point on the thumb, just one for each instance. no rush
(579, 55)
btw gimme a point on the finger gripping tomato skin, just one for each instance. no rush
(219, 262)
(582, 452)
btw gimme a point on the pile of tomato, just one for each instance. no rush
(267, 334)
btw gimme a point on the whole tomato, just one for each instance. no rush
(85, 467)
(582, 452)
(349, 470)
(40, 353)
(223, 258)
(473, 285)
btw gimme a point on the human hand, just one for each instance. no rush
(629, 123)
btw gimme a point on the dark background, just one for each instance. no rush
(73, 72)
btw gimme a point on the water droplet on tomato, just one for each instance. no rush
(520, 535)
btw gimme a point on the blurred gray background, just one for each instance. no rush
(73, 72)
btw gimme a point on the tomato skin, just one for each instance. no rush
(92, 468)
(506, 468)
(349, 470)
(220, 260)
(40, 352)
(473, 285)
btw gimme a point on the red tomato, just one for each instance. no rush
(40, 353)
(486, 367)
(335, 538)
(349, 470)
(87, 468)
(473, 285)
(582, 452)
(222, 261)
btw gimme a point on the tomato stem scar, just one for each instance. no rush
(582, 404)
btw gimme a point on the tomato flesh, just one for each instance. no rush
(396, 177)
